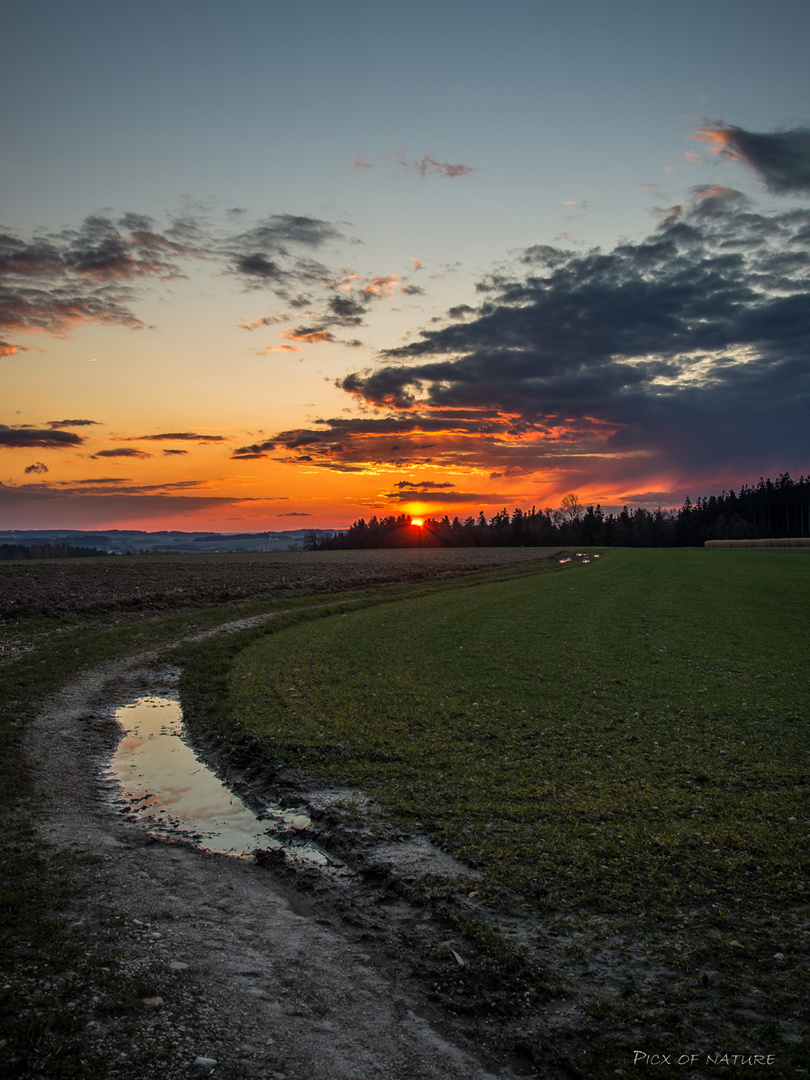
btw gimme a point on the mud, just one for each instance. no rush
(268, 968)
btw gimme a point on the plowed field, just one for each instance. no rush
(162, 582)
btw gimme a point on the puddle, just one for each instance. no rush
(162, 784)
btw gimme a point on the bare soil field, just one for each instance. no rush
(173, 582)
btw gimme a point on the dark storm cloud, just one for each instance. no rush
(781, 158)
(705, 324)
(26, 436)
(689, 345)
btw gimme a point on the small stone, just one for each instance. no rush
(153, 1001)
(178, 965)
(204, 1062)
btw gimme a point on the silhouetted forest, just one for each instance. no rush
(772, 509)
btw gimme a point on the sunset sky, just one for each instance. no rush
(269, 266)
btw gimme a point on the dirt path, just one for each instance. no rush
(234, 971)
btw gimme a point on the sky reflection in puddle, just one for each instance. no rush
(163, 784)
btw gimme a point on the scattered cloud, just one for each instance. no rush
(37, 467)
(71, 423)
(53, 283)
(422, 485)
(438, 495)
(382, 285)
(310, 334)
(178, 436)
(123, 452)
(30, 436)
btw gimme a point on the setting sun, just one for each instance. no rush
(417, 521)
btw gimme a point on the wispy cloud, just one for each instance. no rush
(72, 423)
(176, 436)
(780, 158)
(280, 349)
(427, 165)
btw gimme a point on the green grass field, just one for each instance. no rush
(633, 729)
(620, 747)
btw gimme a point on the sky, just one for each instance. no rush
(267, 266)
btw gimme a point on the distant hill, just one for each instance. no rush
(134, 541)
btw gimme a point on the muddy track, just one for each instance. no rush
(262, 972)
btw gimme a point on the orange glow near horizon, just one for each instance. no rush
(417, 522)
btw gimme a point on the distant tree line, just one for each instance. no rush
(772, 509)
(46, 551)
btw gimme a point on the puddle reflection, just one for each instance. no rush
(163, 784)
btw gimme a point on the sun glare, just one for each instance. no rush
(417, 521)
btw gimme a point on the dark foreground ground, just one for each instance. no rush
(175, 582)
(129, 958)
